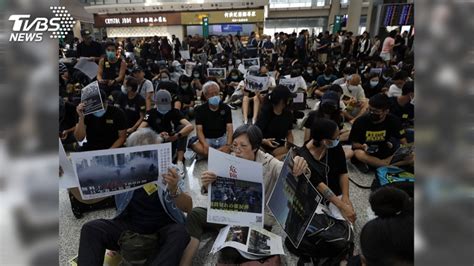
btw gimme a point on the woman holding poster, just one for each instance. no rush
(246, 142)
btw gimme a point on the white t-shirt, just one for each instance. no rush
(394, 91)
(339, 81)
(353, 91)
(145, 88)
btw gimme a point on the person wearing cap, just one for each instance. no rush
(374, 133)
(145, 87)
(354, 99)
(276, 122)
(132, 104)
(170, 124)
(213, 123)
(329, 108)
(111, 71)
(89, 48)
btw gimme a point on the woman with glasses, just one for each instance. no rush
(246, 142)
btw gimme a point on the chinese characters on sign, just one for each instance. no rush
(240, 14)
(137, 20)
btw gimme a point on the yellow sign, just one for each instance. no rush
(218, 17)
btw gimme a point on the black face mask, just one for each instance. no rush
(374, 117)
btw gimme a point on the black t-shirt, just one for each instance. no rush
(365, 131)
(163, 123)
(102, 132)
(145, 212)
(335, 159)
(187, 95)
(214, 123)
(94, 49)
(132, 107)
(275, 126)
(405, 113)
(70, 117)
(290, 47)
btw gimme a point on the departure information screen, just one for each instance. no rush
(396, 15)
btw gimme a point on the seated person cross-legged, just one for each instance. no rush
(132, 103)
(246, 142)
(276, 121)
(170, 124)
(213, 123)
(333, 182)
(146, 210)
(373, 135)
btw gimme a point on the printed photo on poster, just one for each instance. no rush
(185, 54)
(289, 83)
(219, 73)
(254, 83)
(251, 62)
(108, 172)
(237, 196)
(259, 243)
(90, 96)
(238, 234)
(293, 202)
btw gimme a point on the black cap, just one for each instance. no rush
(331, 98)
(279, 93)
(136, 69)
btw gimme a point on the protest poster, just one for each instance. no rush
(67, 178)
(90, 97)
(105, 173)
(251, 62)
(252, 243)
(256, 84)
(185, 54)
(88, 67)
(293, 201)
(237, 196)
(188, 68)
(219, 73)
(290, 83)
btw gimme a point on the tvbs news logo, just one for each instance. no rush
(28, 29)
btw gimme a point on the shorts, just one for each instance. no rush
(215, 143)
(385, 56)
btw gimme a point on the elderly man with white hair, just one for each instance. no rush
(213, 123)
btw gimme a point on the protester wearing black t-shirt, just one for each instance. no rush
(67, 122)
(89, 48)
(185, 97)
(276, 121)
(325, 157)
(111, 71)
(213, 122)
(132, 104)
(401, 106)
(170, 124)
(373, 134)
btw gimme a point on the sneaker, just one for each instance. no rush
(189, 155)
(181, 169)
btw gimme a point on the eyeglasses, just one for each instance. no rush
(236, 147)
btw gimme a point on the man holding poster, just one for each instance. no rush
(246, 142)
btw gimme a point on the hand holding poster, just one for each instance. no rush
(252, 243)
(293, 202)
(185, 54)
(257, 84)
(237, 196)
(251, 62)
(90, 97)
(219, 73)
(88, 67)
(188, 68)
(108, 172)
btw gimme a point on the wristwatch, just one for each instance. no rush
(176, 194)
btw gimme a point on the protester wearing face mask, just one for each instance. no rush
(276, 122)
(354, 99)
(347, 73)
(104, 130)
(132, 104)
(373, 85)
(246, 141)
(111, 71)
(213, 123)
(373, 135)
(145, 86)
(177, 71)
(170, 124)
(186, 97)
(324, 81)
(231, 82)
(310, 75)
(324, 148)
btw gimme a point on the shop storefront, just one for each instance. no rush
(224, 22)
(140, 24)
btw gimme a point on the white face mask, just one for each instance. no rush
(124, 89)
